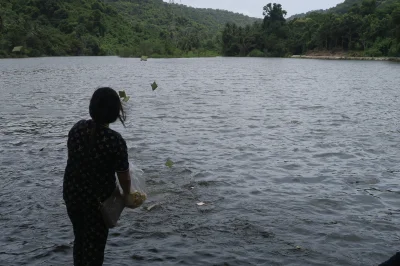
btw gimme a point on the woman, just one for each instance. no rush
(95, 154)
(393, 261)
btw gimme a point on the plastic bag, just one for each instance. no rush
(138, 188)
(138, 182)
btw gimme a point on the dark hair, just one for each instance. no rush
(106, 107)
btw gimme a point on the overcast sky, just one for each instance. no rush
(254, 8)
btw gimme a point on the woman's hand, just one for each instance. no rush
(126, 198)
(135, 199)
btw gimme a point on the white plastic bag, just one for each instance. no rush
(138, 188)
(138, 182)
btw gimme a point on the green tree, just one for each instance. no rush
(274, 30)
(274, 18)
(396, 22)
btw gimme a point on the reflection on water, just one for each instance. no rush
(297, 161)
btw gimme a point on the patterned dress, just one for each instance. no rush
(95, 154)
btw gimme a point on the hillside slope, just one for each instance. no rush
(174, 28)
(109, 27)
(347, 5)
(160, 13)
(56, 28)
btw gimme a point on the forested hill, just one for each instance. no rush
(346, 7)
(109, 27)
(173, 28)
(158, 12)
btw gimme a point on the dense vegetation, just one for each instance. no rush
(369, 28)
(158, 29)
(175, 30)
(109, 27)
(349, 4)
(55, 27)
(344, 7)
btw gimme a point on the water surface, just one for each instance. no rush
(297, 161)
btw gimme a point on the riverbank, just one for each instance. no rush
(330, 57)
(172, 56)
(137, 57)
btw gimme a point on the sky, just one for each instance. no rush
(254, 8)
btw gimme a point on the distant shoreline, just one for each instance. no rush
(332, 57)
(320, 57)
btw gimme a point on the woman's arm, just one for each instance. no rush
(122, 165)
(124, 179)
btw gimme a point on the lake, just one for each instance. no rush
(297, 161)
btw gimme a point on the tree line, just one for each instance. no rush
(111, 27)
(157, 29)
(365, 29)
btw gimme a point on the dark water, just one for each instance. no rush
(298, 161)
